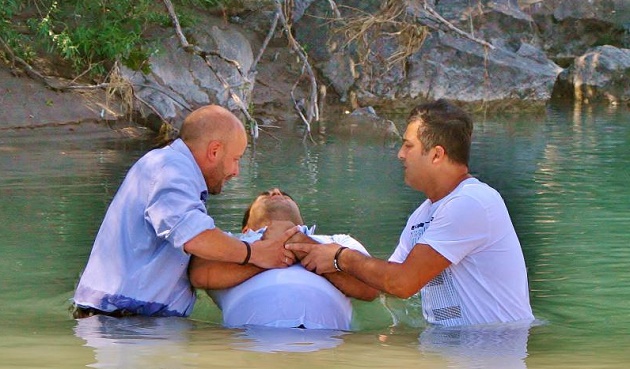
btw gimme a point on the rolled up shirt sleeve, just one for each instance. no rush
(175, 208)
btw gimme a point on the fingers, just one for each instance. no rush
(308, 264)
(289, 258)
(299, 247)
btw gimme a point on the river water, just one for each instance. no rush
(564, 175)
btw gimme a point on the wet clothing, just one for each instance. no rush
(138, 264)
(290, 297)
(487, 280)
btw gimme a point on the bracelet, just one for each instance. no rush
(249, 253)
(336, 258)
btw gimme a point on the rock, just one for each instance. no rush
(599, 75)
(445, 66)
(364, 122)
(27, 103)
(449, 67)
(180, 82)
(569, 28)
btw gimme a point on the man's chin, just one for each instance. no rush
(215, 190)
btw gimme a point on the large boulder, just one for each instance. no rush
(446, 65)
(451, 67)
(601, 74)
(180, 81)
(569, 28)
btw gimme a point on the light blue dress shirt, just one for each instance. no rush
(138, 262)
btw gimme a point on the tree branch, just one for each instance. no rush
(439, 19)
(312, 108)
(270, 34)
(195, 50)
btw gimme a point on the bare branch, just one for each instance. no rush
(195, 50)
(27, 67)
(312, 108)
(270, 34)
(299, 107)
(335, 9)
(437, 17)
(178, 28)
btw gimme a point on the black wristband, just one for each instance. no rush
(336, 258)
(249, 253)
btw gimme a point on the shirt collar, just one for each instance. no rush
(304, 229)
(181, 147)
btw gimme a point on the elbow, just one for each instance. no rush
(401, 289)
(197, 275)
(196, 280)
(370, 294)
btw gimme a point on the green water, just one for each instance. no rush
(564, 176)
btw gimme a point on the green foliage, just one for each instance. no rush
(15, 40)
(91, 34)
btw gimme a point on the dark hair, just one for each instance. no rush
(444, 124)
(249, 208)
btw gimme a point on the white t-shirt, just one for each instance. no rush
(487, 280)
(288, 297)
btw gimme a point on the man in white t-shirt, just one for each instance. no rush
(459, 248)
(290, 297)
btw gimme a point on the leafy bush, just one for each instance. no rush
(89, 34)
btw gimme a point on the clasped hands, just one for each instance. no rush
(298, 247)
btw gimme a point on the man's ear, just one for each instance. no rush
(439, 153)
(213, 152)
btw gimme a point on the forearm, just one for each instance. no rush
(377, 274)
(351, 286)
(399, 279)
(215, 245)
(213, 275)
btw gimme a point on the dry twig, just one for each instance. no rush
(361, 29)
(312, 107)
(205, 56)
(436, 16)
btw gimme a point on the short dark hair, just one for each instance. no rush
(444, 124)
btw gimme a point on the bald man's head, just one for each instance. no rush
(217, 140)
(210, 123)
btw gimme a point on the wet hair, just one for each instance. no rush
(249, 208)
(444, 124)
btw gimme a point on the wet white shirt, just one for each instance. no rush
(289, 297)
(487, 280)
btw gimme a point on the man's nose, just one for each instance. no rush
(275, 192)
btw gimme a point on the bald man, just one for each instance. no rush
(158, 219)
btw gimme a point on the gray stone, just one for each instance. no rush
(180, 81)
(364, 122)
(601, 74)
(449, 67)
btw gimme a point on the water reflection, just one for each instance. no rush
(271, 339)
(501, 346)
(135, 342)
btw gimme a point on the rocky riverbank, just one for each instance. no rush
(501, 55)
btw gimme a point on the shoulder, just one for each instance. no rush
(472, 189)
